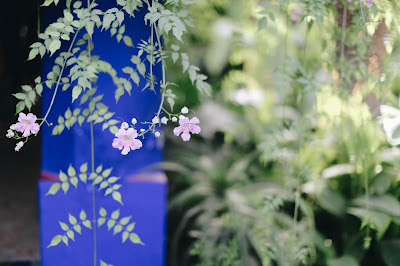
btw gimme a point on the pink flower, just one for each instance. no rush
(187, 126)
(126, 140)
(296, 14)
(26, 124)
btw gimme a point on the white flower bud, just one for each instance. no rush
(13, 126)
(155, 120)
(142, 130)
(19, 146)
(174, 119)
(134, 121)
(164, 120)
(157, 134)
(10, 134)
(184, 110)
(181, 117)
(124, 125)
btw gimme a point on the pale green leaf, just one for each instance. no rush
(54, 189)
(117, 196)
(55, 241)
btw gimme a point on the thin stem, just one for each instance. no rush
(59, 79)
(92, 162)
(342, 41)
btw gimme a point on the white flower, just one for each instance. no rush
(184, 110)
(155, 120)
(157, 134)
(174, 119)
(10, 134)
(181, 117)
(134, 121)
(383, 77)
(19, 146)
(164, 120)
(124, 125)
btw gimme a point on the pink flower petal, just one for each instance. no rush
(185, 136)
(194, 120)
(177, 131)
(196, 129)
(183, 121)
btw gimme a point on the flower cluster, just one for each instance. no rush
(126, 137)
(26, 125)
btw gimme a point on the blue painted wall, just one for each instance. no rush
(144, 200)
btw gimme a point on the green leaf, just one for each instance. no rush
(26, 88)
(385, 203)
(78, 229)
(72, 219)
(74, 181)
(83, 177)
(117, 229)
(65, 187)
(21, 106)
(88, 224)
(76, 91)
(54, 189)
(92, 176)
(117, 196)
(142, 69)
(63, 177)
(98, 180)
(55, 241)
(125, 220)
(101, 221)
(135, 77)
(125, 236)
(135, 239)
(71, 170)
(61, 120)
(113, 179)
(81, 119)
(113, 129)
(71, 234)
(68, 115)
(64, 226)
(28, 103)
(107, 172)
(103, 212)
(128, 41)
(262, 23)
(39, 89)
(110, 224)
(108, 191)
(130, 227)
(127, 70)
(99, 169)
(65, 240)
(107, 20)
(82, 215)
(84, 168)
(103, 185)
(20, 96)
(54, 46)
(115, 214)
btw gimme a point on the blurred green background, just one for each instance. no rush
(292, 166)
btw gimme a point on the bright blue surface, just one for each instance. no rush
(145, 202)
